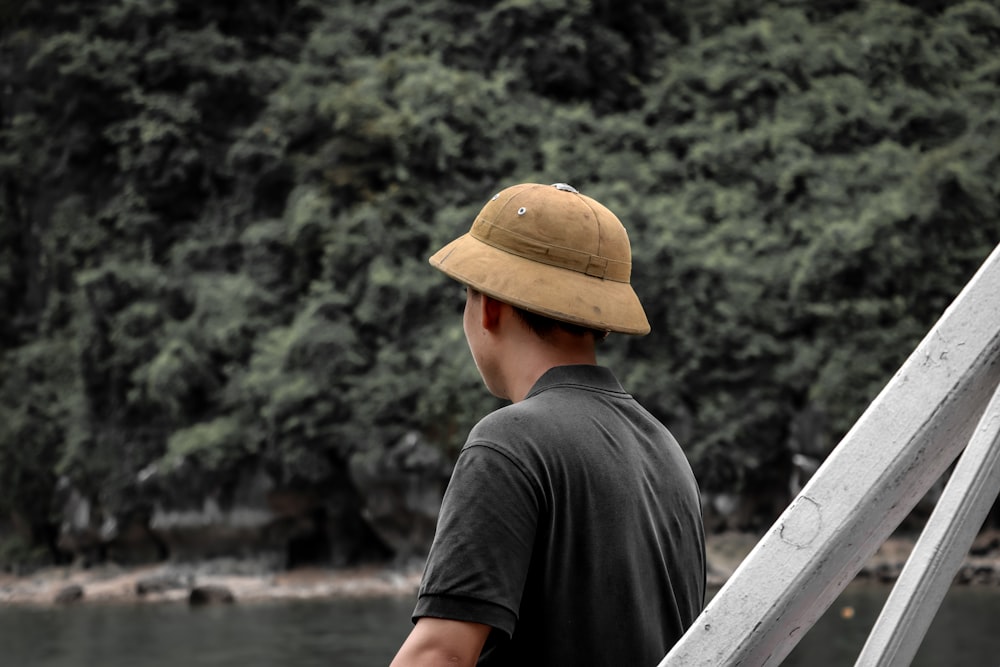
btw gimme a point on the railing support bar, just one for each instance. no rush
(943, 544)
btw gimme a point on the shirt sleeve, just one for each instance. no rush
(482, 548)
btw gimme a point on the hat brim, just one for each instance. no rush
(558, 293)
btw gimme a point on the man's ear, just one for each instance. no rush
(491, 311)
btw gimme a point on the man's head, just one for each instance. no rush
(552, 252)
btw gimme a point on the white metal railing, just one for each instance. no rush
(906, 439)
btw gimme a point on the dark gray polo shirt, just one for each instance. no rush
(572, 526)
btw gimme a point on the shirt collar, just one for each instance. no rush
(595, 377)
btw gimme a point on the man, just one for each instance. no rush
(570, 532)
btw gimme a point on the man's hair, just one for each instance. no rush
(543, 326)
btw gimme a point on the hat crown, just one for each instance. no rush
(558, 226)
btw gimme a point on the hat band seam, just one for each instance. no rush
(552, 255)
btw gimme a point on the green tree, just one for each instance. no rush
(214, 219)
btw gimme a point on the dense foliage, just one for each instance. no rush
(214, 217)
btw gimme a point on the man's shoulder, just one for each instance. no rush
(520, 431)
(503, 424)
(536, 422)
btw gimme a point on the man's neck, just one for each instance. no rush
(533, 359)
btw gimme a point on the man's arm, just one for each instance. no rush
(435, 642)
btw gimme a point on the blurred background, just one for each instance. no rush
(219, 336)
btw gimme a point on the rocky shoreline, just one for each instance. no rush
(228, 581)
(981, 566)
(202, 584)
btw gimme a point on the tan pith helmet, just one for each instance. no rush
(550, 250)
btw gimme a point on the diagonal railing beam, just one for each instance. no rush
(943, 545)
(900, 446)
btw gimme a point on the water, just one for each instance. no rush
(339, 633)
(965, 631)
(365, 633)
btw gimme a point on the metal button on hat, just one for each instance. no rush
(552, 251)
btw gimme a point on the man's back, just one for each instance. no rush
(573, 525)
